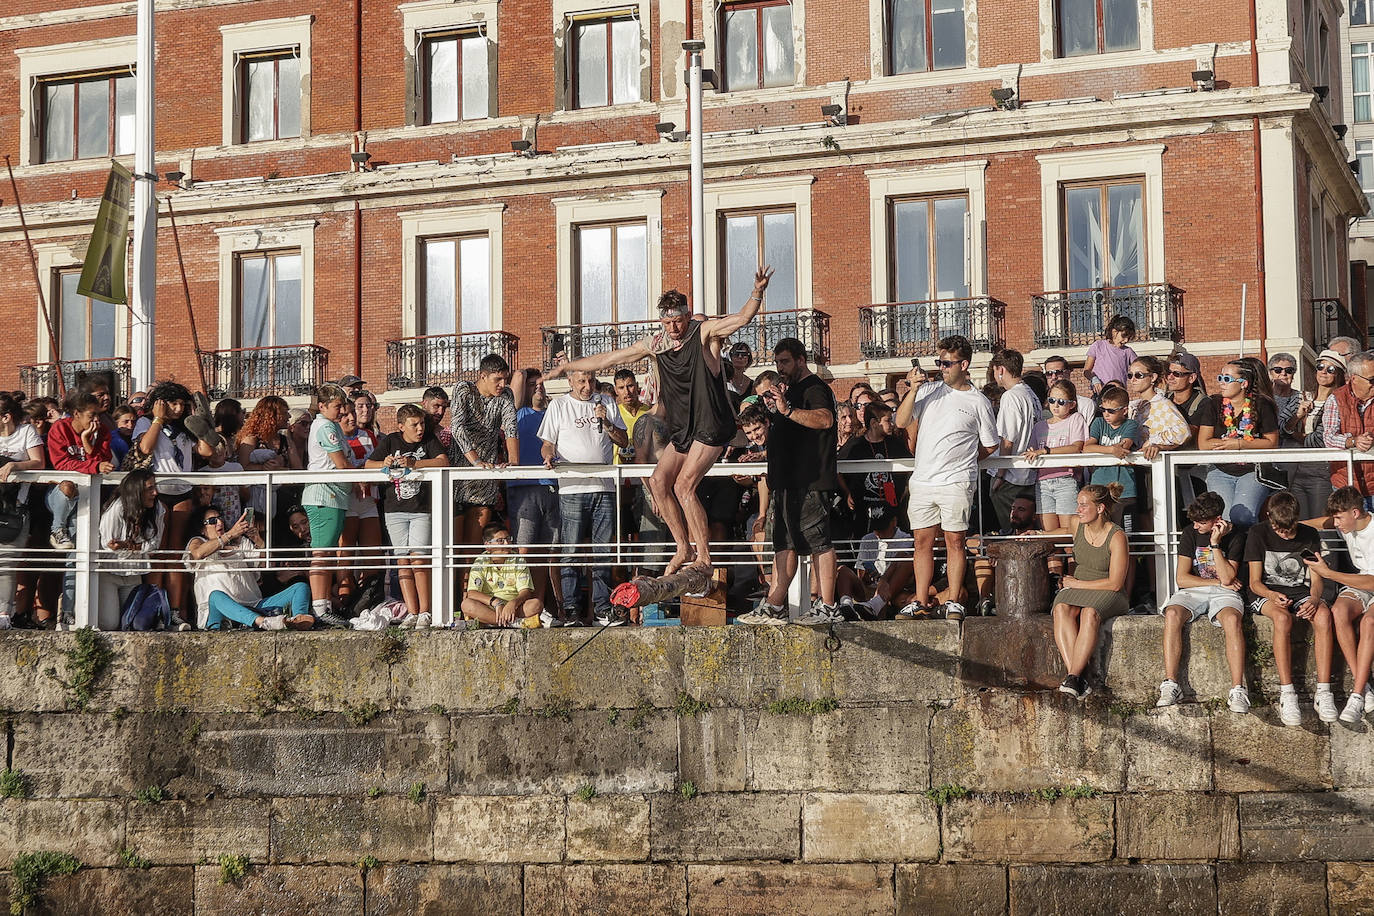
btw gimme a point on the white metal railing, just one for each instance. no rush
(90, 557)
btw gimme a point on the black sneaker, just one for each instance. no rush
(330, 619)
(1075, 687)
(612, 617)
(986, 608)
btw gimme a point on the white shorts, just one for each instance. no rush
(1208, 600)
(948, 506)
(1365, 598)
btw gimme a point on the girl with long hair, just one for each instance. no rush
(1310, 481)
(1097, 589)
(132, 528)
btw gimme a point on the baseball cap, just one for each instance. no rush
(348, 381)
(1186, 360)
(298, 414)
(1331, 356)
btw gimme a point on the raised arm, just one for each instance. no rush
(728, 324)
(598, 362)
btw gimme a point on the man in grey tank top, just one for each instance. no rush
(686, 356)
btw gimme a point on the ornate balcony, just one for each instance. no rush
(40, 381)
(1077, 317)
(256, 372)
(1330, 318)
(904, 329)
(809, 326)
(444, 359)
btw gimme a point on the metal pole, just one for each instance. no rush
(145, 205)
(694, 48)
(38, 285)
(186, 292)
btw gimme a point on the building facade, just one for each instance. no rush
(394, 190)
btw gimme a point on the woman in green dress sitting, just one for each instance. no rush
(1096, 590)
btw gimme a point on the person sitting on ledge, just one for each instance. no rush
(1095, 591)
(500, 588)
(226, 588)
(1211, 557)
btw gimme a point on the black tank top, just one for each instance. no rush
(698, 409)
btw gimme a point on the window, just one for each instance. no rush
(1364, 154)
(457, 284)
(270, 95)
(455, 76)
(925, 35)
(81, 114)
(269, 293)
(757, 48)
(86, 327)
(605, 53)
(1359, 12)
(1104, 235)
(612, 273)
(1096, 26)
(929, 239)
(750, 240)
(1359, 78)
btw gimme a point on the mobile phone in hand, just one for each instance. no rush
(1308, 555)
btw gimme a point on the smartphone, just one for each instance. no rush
(248, 514)
(916, 362)
(1308, 555)
(558, 345)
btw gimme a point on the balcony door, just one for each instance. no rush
(1104, 248)
(269, 316)
(85, 326)
(929, 242)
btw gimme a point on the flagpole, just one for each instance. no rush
(38, 285)
(145, 206)
(186, 292)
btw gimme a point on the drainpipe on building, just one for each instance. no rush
(694, 47)
(145, 207)
(357, 207)
(1260, 291)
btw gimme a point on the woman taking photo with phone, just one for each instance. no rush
(224, 562)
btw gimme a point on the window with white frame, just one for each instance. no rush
(1104, 240)
(269, 299)
(1360, 60)
(605, 59)
(456, 284)
(86, 115)
(455, 78)
(1096, 26)
(925, 35)
(751, 239)
(86, 326)
(756, 44)
(269, 84)
(1364, 155)
(611, 264)
(928, 241)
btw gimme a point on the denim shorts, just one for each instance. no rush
(1056, 495)
(410, 532)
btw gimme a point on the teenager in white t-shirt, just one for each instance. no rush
(1355, 601)
(955, 429)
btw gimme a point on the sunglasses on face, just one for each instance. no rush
(1113, 409)
(1325, 367)
(1228, 379)
(1055, 373)
(214, 520)
(1179, 373)
(946, 363)
(1137, 375)
(499, 541)
(1059, 402)
(1283, 370)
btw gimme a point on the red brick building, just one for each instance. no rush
(1015, 170)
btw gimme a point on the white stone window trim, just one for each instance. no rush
(265, 35)
(710, 30)
(1124, 162)
(878, 49)
(756, 194)
(60, 60)
(418, 225)
(237, 240)
(426, 16)
(1145, 17)
(624, 206)
(564, 13)
(968, 177)
(52, 257)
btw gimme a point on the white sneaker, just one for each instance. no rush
(4, 621)
(1169, 694)
(953, 610)
(1369, 699)
(821, 615)
(178, 624)
(914, 611)
(272, 623)
(547, 620)
(1238, 700)
(60, 540)
(765, 614)
(1289, 711)
(1354, 709)
(1325, 705)
(423, 621)
(408, 621)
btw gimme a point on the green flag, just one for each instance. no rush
(102, 274)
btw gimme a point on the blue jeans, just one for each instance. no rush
(1244, 496)
(222, 607)
(586, 514)
(64, 519)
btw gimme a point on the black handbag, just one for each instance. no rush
(13, 513)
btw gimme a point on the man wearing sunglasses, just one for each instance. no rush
(1348, 422)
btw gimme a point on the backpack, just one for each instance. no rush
(370, 591)
(145, 609)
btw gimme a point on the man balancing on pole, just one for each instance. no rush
(697, 409)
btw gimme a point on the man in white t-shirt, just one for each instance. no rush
(1352, 612)
(582, 427)
(1017, 413)
(955, 429)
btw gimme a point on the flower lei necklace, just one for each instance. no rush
(1240, 424)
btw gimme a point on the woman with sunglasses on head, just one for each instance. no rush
(1310, 481)
(223, 558)
(1242, 417)
(1161, 426)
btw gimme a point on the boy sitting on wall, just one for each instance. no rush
(500, 588)
(1346, 514)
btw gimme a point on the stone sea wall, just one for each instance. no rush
(900, 768)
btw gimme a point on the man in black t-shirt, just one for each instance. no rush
(869, 494)
(801, 477)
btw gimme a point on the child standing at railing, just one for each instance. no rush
(1056, 488)
(1115, 433)
(326, 504)
(1108, 358)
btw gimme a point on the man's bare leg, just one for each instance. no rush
(699, 459)
(661, 485)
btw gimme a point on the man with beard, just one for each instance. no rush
(687, 356)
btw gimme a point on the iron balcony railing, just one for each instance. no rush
(444, 359)
(1330, 318)
(40, 381)
(902, 329)
(256, 372)
(1077, 317)
(811, 327)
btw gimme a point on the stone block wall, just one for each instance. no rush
(901, 769)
